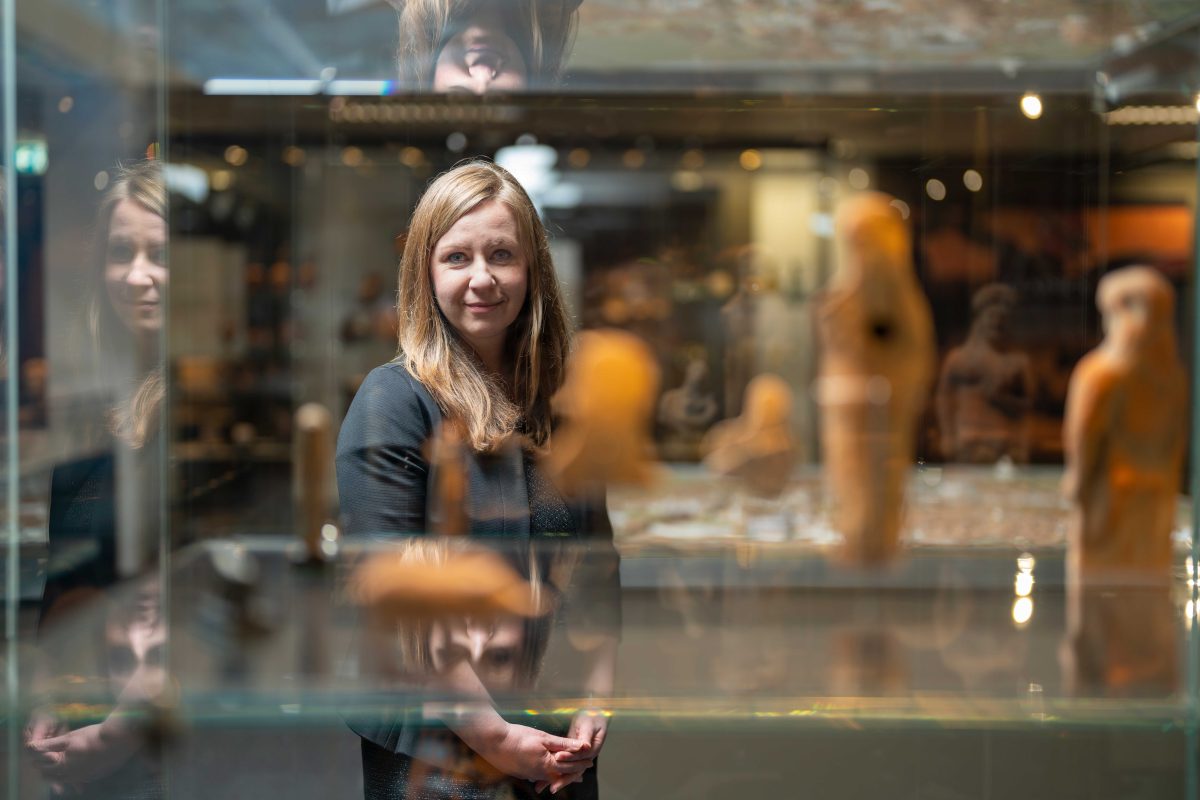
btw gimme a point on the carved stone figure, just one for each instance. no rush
(686, 412)
(606, 405)
(877, 361)
(985, 390)
(757, 447)
(1125, 430)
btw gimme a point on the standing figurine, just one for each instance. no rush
(986, 390)
(606, 404)
(877, 361)
(1124, 432)
(756, 447)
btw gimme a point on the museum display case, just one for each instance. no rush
(885, 359)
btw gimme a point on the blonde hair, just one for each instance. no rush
(537, 341)
(544, 30)
(135, 419)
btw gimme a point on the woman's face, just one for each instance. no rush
(492, 648)
(480, 275)
(481, 57)
(135, 270)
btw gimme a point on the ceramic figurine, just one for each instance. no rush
(447, 454)
(986, 390)
(877, 360)
(438, 576)
(757, 447)
(1125, 430)
(606, 405)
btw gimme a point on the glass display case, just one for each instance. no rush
(886, 340)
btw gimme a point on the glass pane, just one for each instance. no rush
(89, 275)
(802, 401)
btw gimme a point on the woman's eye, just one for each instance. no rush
(502, 255)
(120, 253)
(456, 258)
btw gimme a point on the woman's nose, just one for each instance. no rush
(481, 77)
(139, 271)
(481, 276)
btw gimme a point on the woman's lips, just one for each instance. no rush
(482, 308)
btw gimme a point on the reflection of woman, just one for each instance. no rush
(118, 528)
(483, 341)
(477, 46)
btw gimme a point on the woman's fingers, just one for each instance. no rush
(570, 767)
(566, 757)
(557, 744)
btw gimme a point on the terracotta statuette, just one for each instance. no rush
(877, 361)
(1125, 430)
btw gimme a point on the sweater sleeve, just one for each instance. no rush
(382, 473)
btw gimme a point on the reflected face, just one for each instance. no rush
(135, 270)
(481, 57)
(480, 275)
(492, 647)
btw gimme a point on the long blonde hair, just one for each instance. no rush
(537, 341)
(136, 417)
(544, 30)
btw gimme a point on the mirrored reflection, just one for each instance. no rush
(463, 629)
(477, 47)
(101, 672)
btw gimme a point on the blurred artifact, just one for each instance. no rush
(433, 577)
(877, 359)
(985, 391)
(757, 447)
(1123, 435)
(313, 475)
(686, 412)
(606, 405)
(447, 456)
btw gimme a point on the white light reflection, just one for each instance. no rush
(1031, 105)
(1022, 611)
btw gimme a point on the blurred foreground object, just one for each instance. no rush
(448, 464)
(431, 577)
(877, 360)
(1125, 430)
(313, 461)
(606, 404)
(985, 391)
(757, 447)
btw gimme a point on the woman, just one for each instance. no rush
(483, 345)
(108, 504)
(479, 46)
